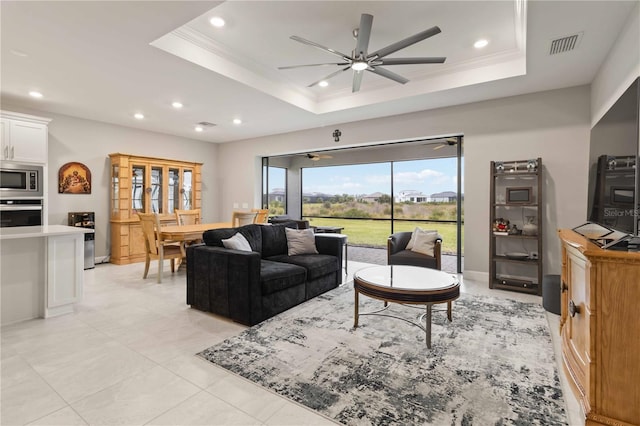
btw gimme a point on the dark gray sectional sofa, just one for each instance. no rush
(249, 287)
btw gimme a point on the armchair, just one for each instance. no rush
(397, 253)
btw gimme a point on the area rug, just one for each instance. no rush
(493, 365)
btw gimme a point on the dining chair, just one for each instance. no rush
(240, 218)
(156, 248)
(188, 217)
(261, 215)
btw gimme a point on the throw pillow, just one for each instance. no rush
(425, 242)
(300, 241)
(415, 233)
(237, 242)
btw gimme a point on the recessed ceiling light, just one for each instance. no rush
(217, 22)
(199, 128)
(176, 105)
(323, 83)
(35, 94)
(480, 43)
(138, 116)
(237, 121)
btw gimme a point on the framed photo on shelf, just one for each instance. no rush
(622, 195)
(520, 195)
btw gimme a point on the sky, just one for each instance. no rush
(427, 176)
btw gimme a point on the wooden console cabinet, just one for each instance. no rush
(600, 329)
(146, 185)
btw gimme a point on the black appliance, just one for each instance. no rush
(20, 212)
(86, 220)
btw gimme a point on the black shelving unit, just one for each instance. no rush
(515, 258)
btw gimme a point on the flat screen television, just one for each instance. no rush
(614, 175)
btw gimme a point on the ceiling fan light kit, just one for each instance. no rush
(360, 60)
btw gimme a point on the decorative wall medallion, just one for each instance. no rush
(74, 178)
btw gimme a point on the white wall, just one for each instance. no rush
(553, 125)
(90, 142)
(619, 69)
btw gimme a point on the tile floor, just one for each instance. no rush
(126, 357)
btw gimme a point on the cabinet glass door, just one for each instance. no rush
(115, 189)
(173, 190)
(187, 189)
(156, 190)
(137, 188)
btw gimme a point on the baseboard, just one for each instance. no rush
(481, 277)
(102, 259)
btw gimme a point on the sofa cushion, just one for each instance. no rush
(277, 276)
(317, 265)
(252, 233)
(418, 231)
(237, 242)
(411, 258)
(425, 242)
(300, 241)
(274, 239)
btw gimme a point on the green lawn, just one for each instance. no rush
(374, 233)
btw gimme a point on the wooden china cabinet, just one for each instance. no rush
(147, 185)
(600, 329)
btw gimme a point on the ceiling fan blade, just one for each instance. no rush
(404, 43)
(357, 80)
(388, 74)
(364, 34)
(312, 65)
(319, 46)
(409, 61)
(333, 74)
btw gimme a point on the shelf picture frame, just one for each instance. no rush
(622, 195)
(518, 195)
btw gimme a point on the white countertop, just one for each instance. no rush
(41, 231)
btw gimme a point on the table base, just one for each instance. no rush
(427, 315)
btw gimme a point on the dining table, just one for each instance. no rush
(194, 232)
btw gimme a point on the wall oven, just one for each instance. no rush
(18, 180)
(20, 212)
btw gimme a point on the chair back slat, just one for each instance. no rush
(188, 217)
(239, 218)
(261, 216)
(150, 223)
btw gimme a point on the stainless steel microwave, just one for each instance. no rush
(18, 180)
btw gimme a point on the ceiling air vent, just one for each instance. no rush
(205, 124)
(565, 44)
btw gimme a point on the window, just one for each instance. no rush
(276, 183)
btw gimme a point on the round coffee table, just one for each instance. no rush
(407, 285)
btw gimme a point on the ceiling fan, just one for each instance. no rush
(360, 60)
(446, 142)
(313, 156)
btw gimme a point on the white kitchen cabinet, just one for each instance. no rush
(46, 275)
(24, 137)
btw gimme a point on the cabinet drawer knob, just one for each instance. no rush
(573, 309)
